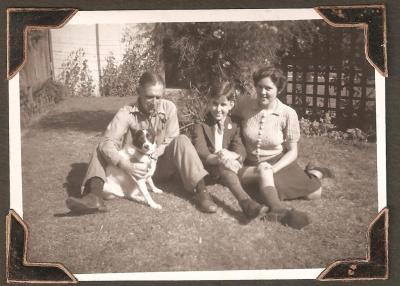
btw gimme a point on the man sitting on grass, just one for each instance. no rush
(175, 152)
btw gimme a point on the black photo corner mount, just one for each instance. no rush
(376, 264)
(372, 18)
(18, 269)
(20, 21)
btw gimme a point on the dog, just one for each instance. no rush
(120, 184)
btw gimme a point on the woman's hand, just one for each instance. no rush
(137, 170)
(264, 166)
(289, 157)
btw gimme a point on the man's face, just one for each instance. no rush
(149, 96)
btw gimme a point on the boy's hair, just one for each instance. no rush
(150, 78)
(224, 88)
(275, 74)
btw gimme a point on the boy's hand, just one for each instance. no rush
(230, 164)
(225, 154)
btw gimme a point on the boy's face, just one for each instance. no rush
(149, 96)
(220, 107)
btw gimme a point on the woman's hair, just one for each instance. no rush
(275, 74)
(224, 88)
(150, 78)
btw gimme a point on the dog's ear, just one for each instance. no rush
(151, 135)
(133, 132)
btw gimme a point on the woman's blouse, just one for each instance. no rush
(279, 126)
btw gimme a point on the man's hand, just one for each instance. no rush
(137, 170)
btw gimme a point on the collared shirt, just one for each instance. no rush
(164, 122)
(281, 125)
(218, 139)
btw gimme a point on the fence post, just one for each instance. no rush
(98, 59)
(51, 54)
(304, 87)
(283, 95)
(339, 70)
(363, 100)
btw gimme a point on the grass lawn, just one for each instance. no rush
(133, 238)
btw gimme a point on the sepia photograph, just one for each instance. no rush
(226, 142)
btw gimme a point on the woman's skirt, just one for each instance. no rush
(292, 182)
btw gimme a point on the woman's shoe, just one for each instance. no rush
(253, 209)
(288, 217)
(325, 172)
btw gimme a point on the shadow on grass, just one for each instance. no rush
(75, 214)
(238, 215)
(175, 187)
(74, 179)
(73, 187)
(96, 121)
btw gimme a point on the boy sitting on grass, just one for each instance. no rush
(219, 145)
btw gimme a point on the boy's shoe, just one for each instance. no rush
(204, 202)
(253, 209)
(89, 203)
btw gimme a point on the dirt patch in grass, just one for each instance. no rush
(133, 238)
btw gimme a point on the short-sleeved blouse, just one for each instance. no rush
(281, 125)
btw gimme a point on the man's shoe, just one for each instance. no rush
(253, 209)
(87, 204)
(204, 202)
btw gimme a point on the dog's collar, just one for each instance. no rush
(148, 155)
(151, 157)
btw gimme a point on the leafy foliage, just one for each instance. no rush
(205, 52)
(140, 55)
(194, 55)
(75, 74)
(35, 103)
(325, 127)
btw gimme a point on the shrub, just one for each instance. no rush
(191, 105)
(75, 74)
(111, 86)
(35, 103)
(325, 127)
(140, 55)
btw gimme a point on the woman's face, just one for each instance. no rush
(266, 92)
(219, 107)
(149, 95)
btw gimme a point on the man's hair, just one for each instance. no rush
(224, 88)
(150, 78)
(275, 74)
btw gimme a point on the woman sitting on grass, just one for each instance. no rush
(271, 131)
(220, 147)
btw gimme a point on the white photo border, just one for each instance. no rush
(209, 15)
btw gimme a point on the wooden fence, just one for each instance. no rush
(336, 78)
(38, 67)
